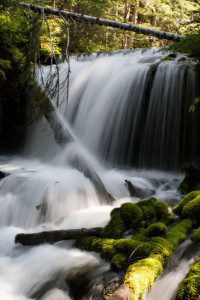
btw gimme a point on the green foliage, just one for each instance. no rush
(190, 286)
(156, 229)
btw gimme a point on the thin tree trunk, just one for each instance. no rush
(93, 20)
(63, 136)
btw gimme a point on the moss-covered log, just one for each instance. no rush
(190, 286)
(31, 239)
(141, 275)
(130, 215)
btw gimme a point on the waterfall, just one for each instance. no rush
(132, 108)
(128, 112)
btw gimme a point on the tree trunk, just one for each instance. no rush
(32, 239)
(93, 20)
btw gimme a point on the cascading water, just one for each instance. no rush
(124, 110)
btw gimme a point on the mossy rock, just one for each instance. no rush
(192, 210)
(190, 286)
(132, 215)
(119, 262)
(148, 208)
(162, 211)
(196, 235)
(156, 229)
(115, 227)
(189, 197)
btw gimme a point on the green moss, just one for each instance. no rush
(190, 286)
(118, 262)
(156, 229)
(108, 248)
(133, 248)
(189, 197)
(141, 275)
(103, 246)
(196, 235)
(192, 210)
(131, 214)
(148, 208)
(115, 227)
(162, 211)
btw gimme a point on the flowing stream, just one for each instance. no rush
(128, 113)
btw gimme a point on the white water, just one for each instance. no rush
(43, 192)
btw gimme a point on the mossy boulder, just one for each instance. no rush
(119, 262)
(189, 197)
(148, 208)
(116, 227)
(196, 235)
(156, 229)
(132, 215)
(162, 211)
(190, 286)
(192, 210)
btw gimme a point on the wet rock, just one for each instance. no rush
(191, 180)
(135, 191)
(3, 175)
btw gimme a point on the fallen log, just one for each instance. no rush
(104, 22)
(50, 237)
